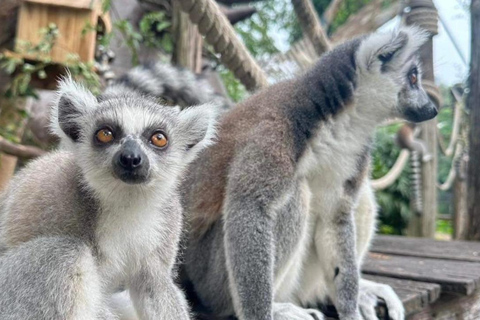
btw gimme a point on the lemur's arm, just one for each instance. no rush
(154, 293)
(249, 231)
(347, 273)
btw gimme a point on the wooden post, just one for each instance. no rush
(424, 14)
(10, 115)
(187, 52)
(473, 104)
(460, 199)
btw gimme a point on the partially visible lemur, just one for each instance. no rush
(80, 224)
(275, 204)
(178, 86)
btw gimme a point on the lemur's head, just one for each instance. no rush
(129, 139)
(388, 67)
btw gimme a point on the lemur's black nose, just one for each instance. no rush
(130, 156)
(130, 160)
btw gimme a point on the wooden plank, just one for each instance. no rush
(452, 276)
(451, 307)
(427, 248)
(414, 295)
(78, 4)
(70, 24)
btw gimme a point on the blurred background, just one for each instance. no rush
(420, 177)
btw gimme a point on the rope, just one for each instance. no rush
(311, 26)
(453, 169)
(423, 14)
(457, 122)
(392, 175)
(432, 91)
(219, 33)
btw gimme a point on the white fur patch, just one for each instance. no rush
(80, 97)
(369, 48)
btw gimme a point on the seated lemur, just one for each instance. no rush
(280, 210)
(79, 225)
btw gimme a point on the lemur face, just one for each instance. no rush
(129, 139)
(389, 65)
(413, 102)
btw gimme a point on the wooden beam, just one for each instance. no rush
(308, 20)
(368, 19)
(18, 150)
(331, 12)
(424, 14)
(238, 14)
(473, 104)
(219, 33)
(187, 52)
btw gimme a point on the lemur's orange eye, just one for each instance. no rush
(104, 135)
(159, 140)
(413, 78)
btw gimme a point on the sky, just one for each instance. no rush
(448, 65)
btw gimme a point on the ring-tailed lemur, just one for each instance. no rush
(271, 205)
(178, 86)
(80, 224)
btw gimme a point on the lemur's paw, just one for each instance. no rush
(366, 303)
(368, 297)
(355, 316)
(289, 311)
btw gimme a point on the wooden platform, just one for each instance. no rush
(434, 279)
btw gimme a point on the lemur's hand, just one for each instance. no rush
(368, 298)
(289, 311)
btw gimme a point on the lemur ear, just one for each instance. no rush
(387, 53)
(73, 102)
(197, 126)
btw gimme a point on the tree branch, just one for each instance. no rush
(311, 27)
(237, 14)
(18, 150)
(368, 19)
(331, 12)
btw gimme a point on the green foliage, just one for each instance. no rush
(444, 227)
(394, 201)
(236, 91)
(154, 32)
(258, 32)
(23, 71)
(347, 8)
(11, 120)
(132, 38)
(154, 28)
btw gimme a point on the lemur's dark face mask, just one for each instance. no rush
(414, 103)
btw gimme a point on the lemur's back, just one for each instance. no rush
(50, 193)
(248, 124)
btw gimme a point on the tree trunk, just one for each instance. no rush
(460, 201)
(473, 104)
(187, 52)
(423, 13)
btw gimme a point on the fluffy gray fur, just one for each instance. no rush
(172, 84)
(78, 225)
(285, 187)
